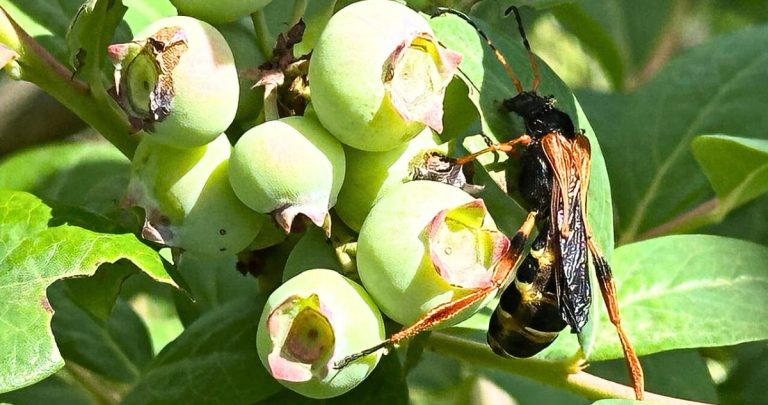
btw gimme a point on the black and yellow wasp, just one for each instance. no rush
(551, 288)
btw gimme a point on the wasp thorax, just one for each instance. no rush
(177, 81)
(310, 322)
(378, 75)
(426, 243)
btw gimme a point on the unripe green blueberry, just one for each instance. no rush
(371, 174)
(177, 81)
(242, 40)
(312, 251)
(426, 243)
(378, 76)
(312, 321)
(271, 234)
(288, 167)
(218, 11)
(188, 200)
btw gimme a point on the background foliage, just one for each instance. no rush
(675, 93)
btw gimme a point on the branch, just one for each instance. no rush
(551, 373)
(264, 38)
(102, 392)
(704, 214)
(35, 64)
(669, 42)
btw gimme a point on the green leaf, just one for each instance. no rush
(717, 87)
(747, 222)
(737, 168)
(141, 13)
(679, 373)
(117, 348)
(32, 256)
(57, 386)
(485, 8)
(459, 114)
(637, 27)
(88, 35)
(214, 360)
(316, 17)
(526, 391)
(211, 282)
(385, 385)
(46, 21)
(96, 295)
(154, 303)
(747, 372)
(689, 291)
(595, 38)
(312, 251)
(89, 175)
(438, 379)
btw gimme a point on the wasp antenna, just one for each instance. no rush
(531, 58)
(442, 10)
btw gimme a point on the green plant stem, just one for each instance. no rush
(299, 8)
(345, 253)
(264, 38)
(271, 111)
(704, 214)
(561, 375)
(38, 66)
(101, 391)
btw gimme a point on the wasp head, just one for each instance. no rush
(540, 115)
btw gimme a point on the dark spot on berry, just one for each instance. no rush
(222, 249)
(312, 334)
(222, 231)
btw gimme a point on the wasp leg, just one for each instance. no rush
(449, 309)
(508, 147)
(608, 290)
(496, 53)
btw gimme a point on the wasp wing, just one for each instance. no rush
(567, 224)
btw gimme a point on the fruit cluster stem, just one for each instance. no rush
(264, 37)
(557, 374)
(36, 65)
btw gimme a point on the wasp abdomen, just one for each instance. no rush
(527, 319)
